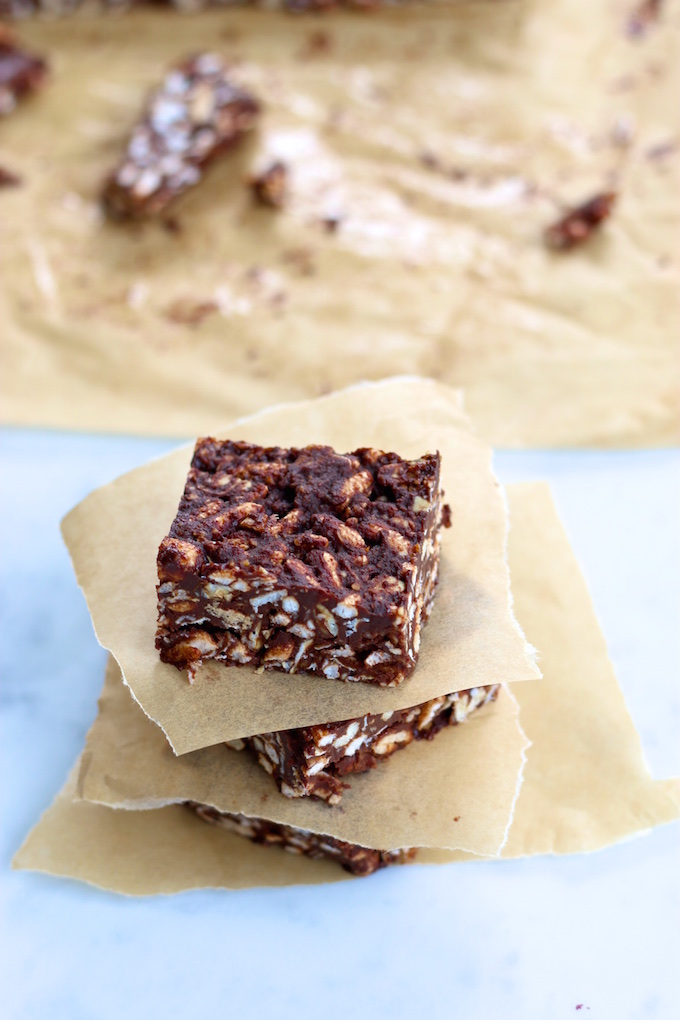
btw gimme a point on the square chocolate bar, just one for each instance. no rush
(301, 559)
(359, 860)
(311, 761)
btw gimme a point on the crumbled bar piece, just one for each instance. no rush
(316, 44)
(20, 73)
(8, 179)
(269, 186)
(301, 559)
(188, 312)
(577, 225)
(359, 860)
(196, 115)
(301, 260)
(644, 14)
(332, 222)
(310, 762)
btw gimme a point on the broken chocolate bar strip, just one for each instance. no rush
(22, 9)
(359, 860)
(19, 10)
(56, 8)
(577, 225)
(20, 73)
(196, 115)
(301, 559)
(309, 762)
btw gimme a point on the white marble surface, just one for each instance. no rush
(532, 939)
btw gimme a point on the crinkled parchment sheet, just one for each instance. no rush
(471, 639)
(444, 141)
(456, 791)
(586, 783)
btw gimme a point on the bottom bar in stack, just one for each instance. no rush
(358, 860)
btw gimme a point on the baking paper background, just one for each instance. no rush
(445, 141)
(471, 639)
(456, 791)
(586, 783)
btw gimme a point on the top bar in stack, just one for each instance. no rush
(301, 559)
(197, 114)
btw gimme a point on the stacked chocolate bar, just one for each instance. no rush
(304, 631)
(307, 560)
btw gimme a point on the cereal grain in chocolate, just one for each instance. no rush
(301, 559)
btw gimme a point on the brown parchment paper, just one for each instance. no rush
(471, 639)
(443, 141)
(165, 851)
(586, 783)
(456, 791)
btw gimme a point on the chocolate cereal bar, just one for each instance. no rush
(20, 72)
(301, 559)
(311, 761)
(359, 860)
(196, 115)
